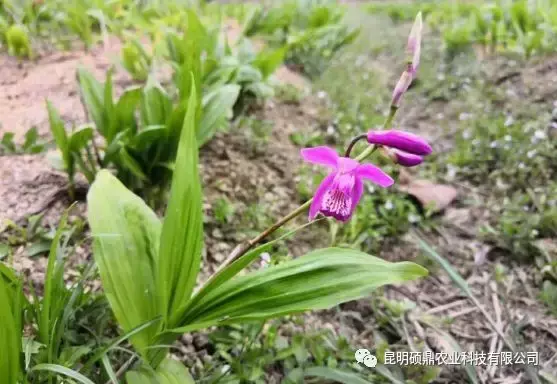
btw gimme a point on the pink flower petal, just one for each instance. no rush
(375, 175)
(407, 159)
(320, 155)
(319, 194)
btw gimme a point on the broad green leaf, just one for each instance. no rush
(131, 164)
(80, 138)
(37, 248)
(31, 138)
(10, 333)
(182, 231)
(126, 235)
(319, 280)
(169, 372)
(5, 250)
(59, 133)
(63, 371)
(217, 106)
(92, 92)
(147, 137)
(248, 74)
(155, 104)
(268, 61)
(125, 109)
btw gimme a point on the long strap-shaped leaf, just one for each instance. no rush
(10, 332)
(182, 231)
(318, 280)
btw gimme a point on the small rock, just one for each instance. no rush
(200, 341)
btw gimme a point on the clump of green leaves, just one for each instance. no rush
(58, 325)
(140, 129)
(32, 143)
(507, 154)
(249, 351)
(18, 41)
(313, 31)
(151, 267)
(136, 60)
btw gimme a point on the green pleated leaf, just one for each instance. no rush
(59, 133)
(268, 61)
(125, 111)
(182, 231)
(131, 164)
(10, 329)
(217, 106)
(126, 236)
(319, 280)
(80, 138)
(169, 372)
(92, 93)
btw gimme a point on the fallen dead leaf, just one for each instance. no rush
(434, 196)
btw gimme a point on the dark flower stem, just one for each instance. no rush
(352, 143)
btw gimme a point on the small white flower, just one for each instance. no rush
(413, 218)
(330, 130)
(534, 233)
(521, 165)
(509, 121)
(540, 135)
(321, 94)
(265, 259)
(493, 144)
(451, 172)
(464, 116)
(531, 153)
(508, 138)
(466, 134)
(389, 205)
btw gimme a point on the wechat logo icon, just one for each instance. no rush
(365, 357)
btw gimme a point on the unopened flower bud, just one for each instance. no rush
(414, 44)
(401, 88)
(405, 141)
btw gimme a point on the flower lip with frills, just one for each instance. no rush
(341, 190)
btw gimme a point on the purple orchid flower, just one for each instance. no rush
(340, 192)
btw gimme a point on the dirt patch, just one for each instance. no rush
(24, 86)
